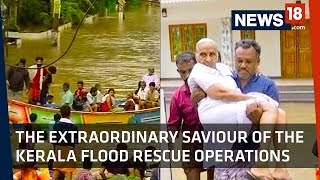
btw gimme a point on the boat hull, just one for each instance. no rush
(19, 114)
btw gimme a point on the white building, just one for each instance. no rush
(285, 54)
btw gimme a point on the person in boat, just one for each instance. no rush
(67, 96)
(141, 95)
(153, 96)
(151, 77)
(80, 97)
(49, 102)
(138, 88)
(108, 101)
(130, 105)
(36, 79)
(47, 81)
(135, 94)
(91, 104)
(16, 78)
(225, 100)
(99, 94)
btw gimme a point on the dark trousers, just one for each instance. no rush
(43, 97)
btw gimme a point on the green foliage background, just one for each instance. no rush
(28, 14)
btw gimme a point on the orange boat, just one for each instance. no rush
(19, 113)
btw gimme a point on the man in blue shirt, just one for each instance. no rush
(247, 60)
(258, 83)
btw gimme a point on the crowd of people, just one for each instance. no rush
(67, 170)
(36, 81)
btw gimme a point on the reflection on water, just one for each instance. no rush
(116, 54)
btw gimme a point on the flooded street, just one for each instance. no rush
(114, 53)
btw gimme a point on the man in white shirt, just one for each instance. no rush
(67, 95)
(91, 104)
(142, 93)
(99, 94)
(151, 77)
(226, 102)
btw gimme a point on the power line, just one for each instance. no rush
(69, 47)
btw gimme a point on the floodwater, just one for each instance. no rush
(112, 52)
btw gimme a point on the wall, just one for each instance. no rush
(210, 13)
(213, 31)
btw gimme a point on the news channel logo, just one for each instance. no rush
(291, 18)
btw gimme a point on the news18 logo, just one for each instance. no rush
(291, 18)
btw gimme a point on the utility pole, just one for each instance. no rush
(55, 27)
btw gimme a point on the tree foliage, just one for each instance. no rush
(39, 12)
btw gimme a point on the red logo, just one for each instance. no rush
(295, 13)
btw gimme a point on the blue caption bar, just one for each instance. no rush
(259, 20)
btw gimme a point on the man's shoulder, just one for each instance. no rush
(176, 93)
(266, 80)
(65, 121)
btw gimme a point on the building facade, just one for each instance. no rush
(285, 54)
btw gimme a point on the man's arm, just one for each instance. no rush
(219, 92)
(209, 81)
(90, 100)
(8, 75)
(27, 79)
(272, 91)
(157, 82)
(197, 95)
(175, 118)
(254, 112)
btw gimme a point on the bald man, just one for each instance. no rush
(224, 101)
